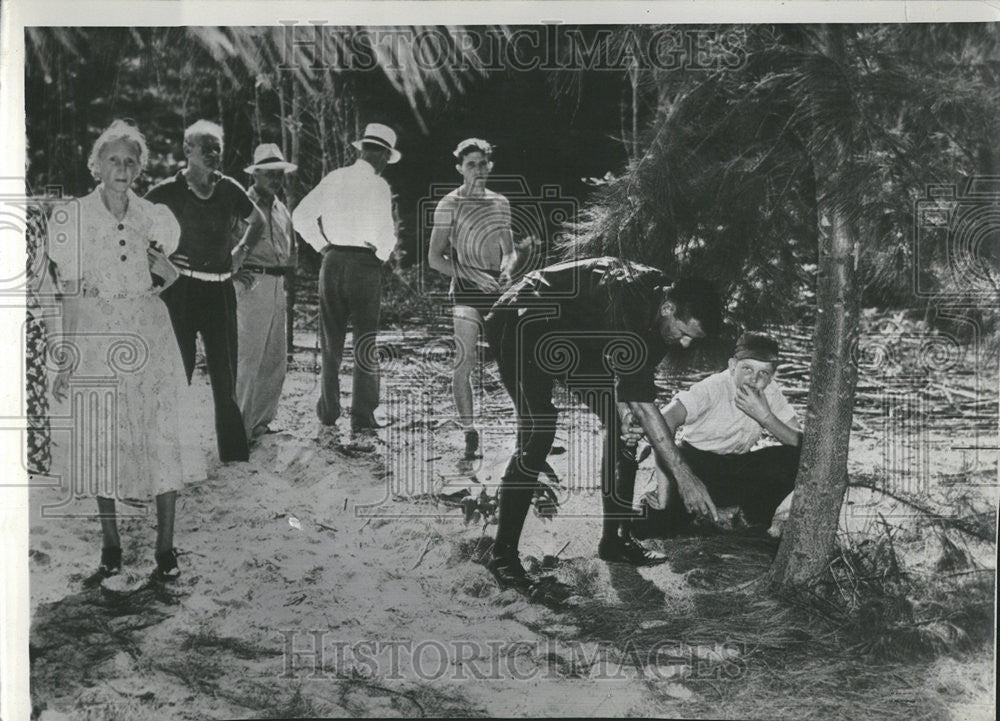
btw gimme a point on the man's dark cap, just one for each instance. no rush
(756, 346)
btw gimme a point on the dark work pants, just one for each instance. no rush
(531, 390)
(209, 308)
(350, 288)
(757, 482)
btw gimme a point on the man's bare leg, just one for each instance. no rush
(467, 323)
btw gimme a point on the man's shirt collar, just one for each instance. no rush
(255, 197)
(363, 164)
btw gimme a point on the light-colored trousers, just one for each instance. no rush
(260, 373)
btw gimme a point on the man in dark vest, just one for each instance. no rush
(601, 326)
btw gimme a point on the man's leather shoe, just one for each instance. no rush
(626, 549)
(508, 572)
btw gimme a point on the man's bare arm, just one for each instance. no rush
(508, 258)
(436, 258)
(787, 433)
(661, 437)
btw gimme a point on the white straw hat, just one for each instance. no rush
(382, 135)
(268, 156)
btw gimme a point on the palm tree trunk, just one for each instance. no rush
(633, 75)
(257, 124)
(218, 99)
(324, 136)
(291, 134)
(283, 120)
(809, 537)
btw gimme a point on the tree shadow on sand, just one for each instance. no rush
(709, 641)
(703, 592)
(77, 640)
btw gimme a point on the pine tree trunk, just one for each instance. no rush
(810, 533)
(809, 537)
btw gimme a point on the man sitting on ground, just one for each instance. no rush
(723, 417)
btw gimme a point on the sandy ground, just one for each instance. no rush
(334, 582)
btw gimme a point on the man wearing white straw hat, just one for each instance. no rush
(268, 256)
(348, 218)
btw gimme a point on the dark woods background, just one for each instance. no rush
(165, 78)
(707, 162)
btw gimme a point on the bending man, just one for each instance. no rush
(601, 326)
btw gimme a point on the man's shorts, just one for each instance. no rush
(468, 294)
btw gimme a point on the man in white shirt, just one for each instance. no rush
(723, 417)
(348, 218)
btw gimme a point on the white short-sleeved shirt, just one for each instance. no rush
(715, 424)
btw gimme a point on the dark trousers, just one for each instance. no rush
(531, 390)
(757, 482)
(209, 308)
(350, 288)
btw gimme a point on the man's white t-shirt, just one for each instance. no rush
(715, 424)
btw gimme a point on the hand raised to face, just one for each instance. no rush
(751, 401)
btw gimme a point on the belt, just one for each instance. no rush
(198, 275)
(352, 249)
(260, 270)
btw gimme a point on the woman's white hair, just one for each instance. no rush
(118, 130)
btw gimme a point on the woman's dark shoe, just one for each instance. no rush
(166, 566)
(111, 565)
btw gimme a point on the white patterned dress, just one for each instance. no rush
(126, 387)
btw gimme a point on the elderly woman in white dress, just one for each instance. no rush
(118, 357)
